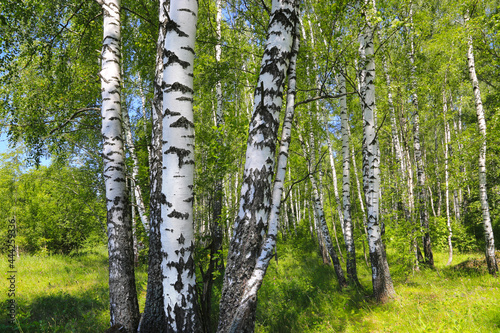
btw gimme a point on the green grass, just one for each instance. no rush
(300, 294)
(62, 293)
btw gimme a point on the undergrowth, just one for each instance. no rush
(300, 294)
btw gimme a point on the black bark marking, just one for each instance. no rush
(173, 26)
(178, 215)
(181, 154)
(176, 86)
(172, 58)
(182, 122)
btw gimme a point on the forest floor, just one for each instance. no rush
(300, 294)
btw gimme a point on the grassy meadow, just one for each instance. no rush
(69, 294)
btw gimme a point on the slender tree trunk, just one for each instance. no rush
(483, 196)
(446, 178)
(124, 308)
(176, 227)
(135, 171)
(154, 317)
(351, 270)
(215, 262)
(421, 189)
(255, 205)
(383, 288)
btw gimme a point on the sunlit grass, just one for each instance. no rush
(300, 294)
(63, 293)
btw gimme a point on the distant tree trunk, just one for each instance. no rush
(154, 317)
(348, 228)
(135, 171)
(255, 205)
(215, 261)
(318, 209)
(483, 196)
(176, 226)
(383, 288)
(447, 177)
(124, 308)
(421, 189)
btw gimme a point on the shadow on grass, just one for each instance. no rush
(62, 312)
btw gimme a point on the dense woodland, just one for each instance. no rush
(193, 136)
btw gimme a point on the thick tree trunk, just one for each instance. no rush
(255, 205)
(176, 226)
(154, 318)
(124, 308)
(348, 228)
(266, 251)
(383, 288)
(483, 196)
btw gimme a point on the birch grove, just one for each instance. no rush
(206, 121)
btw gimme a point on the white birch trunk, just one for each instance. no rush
(266, 251)
(382, 283)
(135, 171)
(421, 189)
(483, 196)
(176, 227)
(124, 309)
(154, 318)
(446, 178)
(255, 196)
(348, 228)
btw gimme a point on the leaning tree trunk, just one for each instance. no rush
(348, 228)
(124, 308)
(154, 318)
(176, 226)
(483, 196)
(267, 249)
(255, 205)
(383, 288)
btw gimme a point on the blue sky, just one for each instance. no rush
(4, 148)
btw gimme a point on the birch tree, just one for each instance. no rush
(382, 282)
(483, 196)
(255, 194)
(154, 317)
(176, 225)
(124, 308)
(348, 228)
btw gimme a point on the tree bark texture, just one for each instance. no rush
(421, 188)
(154, 318)
(348, 228)
(383, 288)
(124, 308)
(483, 195)
(255, 196)
(176, 226)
